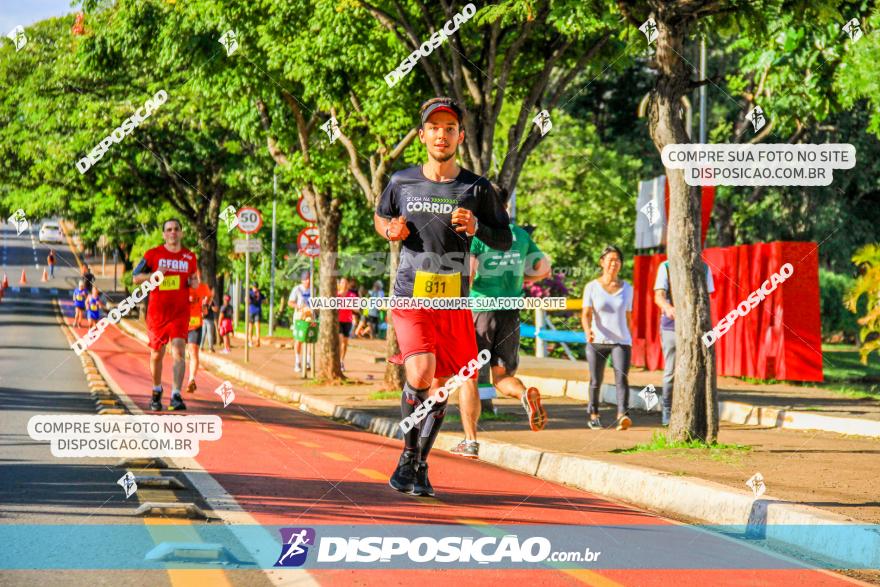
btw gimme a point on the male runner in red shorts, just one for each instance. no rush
(168, 308)
(435, 209)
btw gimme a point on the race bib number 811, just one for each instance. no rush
(170, 282)
(435, 285)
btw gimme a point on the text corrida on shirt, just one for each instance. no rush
(116, 314)
(746, 306)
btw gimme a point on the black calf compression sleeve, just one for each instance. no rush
(410, 400)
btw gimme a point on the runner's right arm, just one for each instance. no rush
(390, 224)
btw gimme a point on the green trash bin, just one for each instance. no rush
(305, 331)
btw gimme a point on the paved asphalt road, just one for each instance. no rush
(275, 465)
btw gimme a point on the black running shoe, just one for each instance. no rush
(176, 404)
(156, 402)
(405, 474)
(422, 486)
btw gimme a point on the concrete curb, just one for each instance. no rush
(711, 503)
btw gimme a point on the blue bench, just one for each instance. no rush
(547, 335)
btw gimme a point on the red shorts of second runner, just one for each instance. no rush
(447, 334)
(163, 332)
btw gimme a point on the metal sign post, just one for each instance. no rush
(247, 299)
(249, 222)
(272, 271)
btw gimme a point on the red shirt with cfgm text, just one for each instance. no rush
(170, 301)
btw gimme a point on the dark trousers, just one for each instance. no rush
(597, 356)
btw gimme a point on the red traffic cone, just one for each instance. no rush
(45, 276)
(5, 281)
(23, 280)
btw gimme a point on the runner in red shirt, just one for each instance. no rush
(197, 297)
(168, 308)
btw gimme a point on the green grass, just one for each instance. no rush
(385, 395)
(485, 417)
(280, 331)
(660, 442)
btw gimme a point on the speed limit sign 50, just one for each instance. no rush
(249, 220)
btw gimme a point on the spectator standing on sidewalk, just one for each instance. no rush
(255, 309)
(299, 302)
(373, 314)
(50, 261)
(346, 318)
(363, 326)
(663, 298)
(226, 313)
(607, 321)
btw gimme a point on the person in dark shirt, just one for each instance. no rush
(435, 210)
(88, 277)
(255, 311)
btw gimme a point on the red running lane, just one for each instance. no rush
(285, 467)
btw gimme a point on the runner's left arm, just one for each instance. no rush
(493, 226)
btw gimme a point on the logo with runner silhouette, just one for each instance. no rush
(295, 546)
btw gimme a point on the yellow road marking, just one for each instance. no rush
(285, 435)
(372, 474)
(472, 522)
(309, 444)
(336, 456)
(591, 578)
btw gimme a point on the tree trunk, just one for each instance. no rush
(694, 409)
(329, 213)
(207, 252)
(394, 374)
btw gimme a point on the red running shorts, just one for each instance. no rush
(447, 334)
(162, 333)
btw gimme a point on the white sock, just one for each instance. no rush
(157, 388)
(175, 393)
(470, 441)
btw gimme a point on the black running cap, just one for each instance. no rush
(441, 107)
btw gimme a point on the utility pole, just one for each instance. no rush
(703, 90)
(272, 271)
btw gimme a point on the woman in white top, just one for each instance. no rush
(607, 322)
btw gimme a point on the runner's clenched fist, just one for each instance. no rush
(397, 229)
(464, 221)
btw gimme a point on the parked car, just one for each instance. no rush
(50, 232)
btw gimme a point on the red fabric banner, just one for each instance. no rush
(781, 338)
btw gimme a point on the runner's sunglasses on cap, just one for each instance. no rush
(450, 107)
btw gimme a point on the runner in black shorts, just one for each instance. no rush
(435, 209)
(501, 274)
